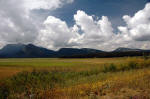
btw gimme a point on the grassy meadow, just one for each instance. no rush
(95, 78)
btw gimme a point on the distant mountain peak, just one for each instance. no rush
(11, 48)
(33, 51)
(30, 50)
(13, 45)
(123, 49)
(22, 50)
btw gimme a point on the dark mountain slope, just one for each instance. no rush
(32, 51)
(75, 51)
(122, 49)
(21, 50)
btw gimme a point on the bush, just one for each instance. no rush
(124, 67)
(133, 65)
(4, 91)
(146, 56)
(110, 68)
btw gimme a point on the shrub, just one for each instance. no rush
(145, 56)
(133, 65)
(4, 91)
(124, 67)
(110, 68)
(145, 63)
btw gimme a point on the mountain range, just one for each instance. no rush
(122, 49)
(32, 51)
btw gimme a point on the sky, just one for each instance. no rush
(54, 24)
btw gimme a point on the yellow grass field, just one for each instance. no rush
(95, 78)
(9, 67)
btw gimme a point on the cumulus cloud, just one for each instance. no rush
(55, 33)
(138, 26)
(95, 32)
(45, 4)
(16, 23)
(19, 26)
(99, 33)
(93, 28)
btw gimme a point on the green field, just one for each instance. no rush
(11, 66)
(95, 78)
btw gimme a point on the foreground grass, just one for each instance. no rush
(99, 79)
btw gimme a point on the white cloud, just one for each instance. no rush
(45, 4)
(17, 25)
(92, 28)
(99, 33)
(95, 32)
(56, 33)
(138, 26)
